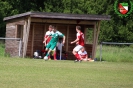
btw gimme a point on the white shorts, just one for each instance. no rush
(77, 48)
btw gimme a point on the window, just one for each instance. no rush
(19, 33)
(90, 35)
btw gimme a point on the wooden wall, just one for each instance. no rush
(38, 30)
(12, 46)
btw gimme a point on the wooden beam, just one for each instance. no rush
(85, 34)
(67, 42)
(16, 30)
(95, 40)
(19, 21)
(26, 36)
(32, 41)
(62, 21)
(28, 29)
(44, 33)
(97, 34)
(94, 37)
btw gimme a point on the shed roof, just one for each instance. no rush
(60, 16)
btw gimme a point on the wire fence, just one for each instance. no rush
(10, 47)
(113, 51)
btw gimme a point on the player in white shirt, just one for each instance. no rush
(83, 54)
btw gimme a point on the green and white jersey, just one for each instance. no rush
(55, 36)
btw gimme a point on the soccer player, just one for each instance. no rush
(53, 42)
(80, 43)
(47, 39)
(83, 54)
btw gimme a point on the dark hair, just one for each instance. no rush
(78, 27)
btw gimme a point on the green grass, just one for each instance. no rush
(116, 54)
(37, 73)
(2, 49)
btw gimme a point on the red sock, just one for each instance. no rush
(49, 57)
(54, 55)
(77, 56)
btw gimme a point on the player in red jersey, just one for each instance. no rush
(80, 43)
(47, 38)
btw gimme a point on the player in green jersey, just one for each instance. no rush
(53, 42)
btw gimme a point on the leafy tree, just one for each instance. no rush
(116, 30)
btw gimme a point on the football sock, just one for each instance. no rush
(54, 55)
(47, 54)
(77, 56)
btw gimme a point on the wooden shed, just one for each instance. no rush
(32, 26)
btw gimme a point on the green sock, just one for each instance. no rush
(47, 54)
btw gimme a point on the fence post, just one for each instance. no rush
(101, 51)
(20, 46)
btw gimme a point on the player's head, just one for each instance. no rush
(78, 28)
(83, 49)
(50, 27)
(54, 29)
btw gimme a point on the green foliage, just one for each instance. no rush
(2, 48)
(117, 29)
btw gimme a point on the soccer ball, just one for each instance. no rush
(45, 58)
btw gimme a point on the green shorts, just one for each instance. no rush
(51, 45)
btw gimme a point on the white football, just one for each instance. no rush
(45, 58)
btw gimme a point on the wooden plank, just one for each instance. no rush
(67, 42)
(61, 21)
(27, 35)
(32, 42)
(97, 34)
(94, 42)
(85, 34)
(16, 30)
(24, 36)
(19, 21)
(97, 30)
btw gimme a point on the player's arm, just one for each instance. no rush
(64, 38)
(45, 39)
(62, 35)
(75, 41)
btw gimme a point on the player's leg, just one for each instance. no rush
(55, 53)
(48, 53)
(47, 48)
(53, 45)
(75, 51)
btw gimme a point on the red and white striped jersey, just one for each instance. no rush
(48, 33)
(82, 54)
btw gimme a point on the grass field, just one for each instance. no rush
(37, 73)
(116, 54)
